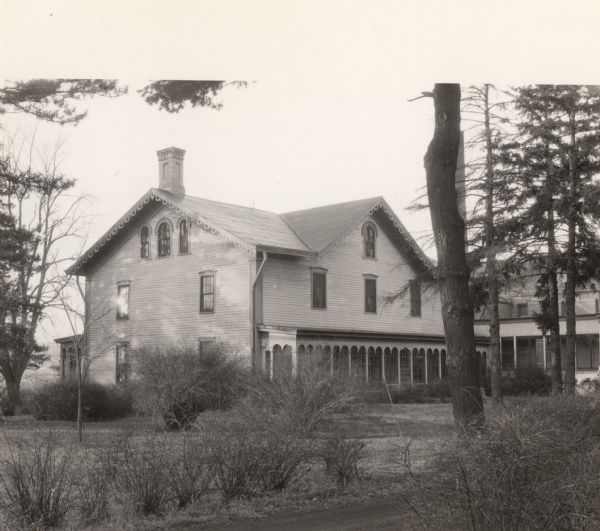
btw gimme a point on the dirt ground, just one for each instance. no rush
(376, 502)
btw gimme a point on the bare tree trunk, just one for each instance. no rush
(491, 273)
(453, 272)
(571, 271)
(79, 397)
(13, 391)
(553, 295)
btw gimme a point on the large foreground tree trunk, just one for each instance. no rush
(453, 272)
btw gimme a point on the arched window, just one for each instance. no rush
(164, 239)
(184, 246)
(145, 243)
(369, 237)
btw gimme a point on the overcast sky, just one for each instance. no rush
(326, 118)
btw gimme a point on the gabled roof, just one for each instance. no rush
(320, 226)
(308, 232)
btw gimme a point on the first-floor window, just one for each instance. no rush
(207, 293)
(370, 295)
(69, 363)
(122, 372)
(206, 344)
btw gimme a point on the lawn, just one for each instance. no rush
(386, 430)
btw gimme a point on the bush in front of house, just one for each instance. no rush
(141, 475)
(301, 404)
(525, 381)
(342, 457)
(535, 465)
(251, 457)
(58, 401)
(175, 384)
(36, 481)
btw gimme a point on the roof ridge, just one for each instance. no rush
(227, 204)
(364, 199)
(282, 217)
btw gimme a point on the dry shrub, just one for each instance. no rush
(189, 469)
(38, 481)
(175, 384)
(283, 459)
(94, 486)
(238, 455)
(303, 404)
(58, 401)
(535, 465)
(140, 474)
(342, 457)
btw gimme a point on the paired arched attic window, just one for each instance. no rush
(163, 238)
(369, 234)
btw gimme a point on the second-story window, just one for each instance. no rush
(164, 239)
(415, 298)
(184, 245)
(369, 237)
(319, 288)
(370, 294)
(207, 292)
(123, 301)
(522, 310)
(145, 243)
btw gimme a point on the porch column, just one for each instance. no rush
(426, 363)
(515, 345)
(544, 349)
(350, 362)
(399, 372)
(382, 364)
(411, 367)
(331, 362)
(366, 365)
(294, 361)
(440, 364)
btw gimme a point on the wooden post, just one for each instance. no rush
(412, 378)
(426, 368)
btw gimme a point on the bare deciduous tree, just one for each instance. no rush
(37, 200)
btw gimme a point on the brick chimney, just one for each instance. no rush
(170, 170)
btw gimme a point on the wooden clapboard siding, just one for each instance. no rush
(287, 291)
(164, 294)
